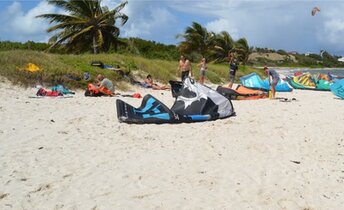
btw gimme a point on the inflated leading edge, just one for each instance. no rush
(195, 102)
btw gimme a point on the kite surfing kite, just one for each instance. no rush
(194, 102)
(315, 10)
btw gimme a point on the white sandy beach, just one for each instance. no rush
(74, 154)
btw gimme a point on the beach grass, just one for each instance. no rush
(57, 67)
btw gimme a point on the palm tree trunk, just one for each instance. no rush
(95, 50)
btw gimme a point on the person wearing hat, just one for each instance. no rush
(273, 78)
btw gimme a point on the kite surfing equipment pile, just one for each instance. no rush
(308, 82)
(194, 103)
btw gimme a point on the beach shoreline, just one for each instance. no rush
(300, 68)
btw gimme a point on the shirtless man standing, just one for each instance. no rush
(184, 68)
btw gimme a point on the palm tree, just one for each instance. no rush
(86, 22)
(242, 49)
(223, 44)
(196, 38)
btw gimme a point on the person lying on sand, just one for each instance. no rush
(149, 83)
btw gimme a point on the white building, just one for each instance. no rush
(341, 59)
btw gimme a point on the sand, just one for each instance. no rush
(73, 153)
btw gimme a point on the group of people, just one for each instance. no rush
(185, 70)
(104, 86)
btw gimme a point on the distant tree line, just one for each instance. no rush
(148, 49)
(132, 46)
(29, 45)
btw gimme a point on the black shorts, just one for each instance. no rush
(231, 78)
(185, 74)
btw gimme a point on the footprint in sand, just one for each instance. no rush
(42, 188)
(76, 120)
(288, 204)
(62, 132)
(3, 195)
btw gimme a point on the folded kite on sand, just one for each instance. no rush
(309, 82)
(255, 82)
(242, 93)
(338, 88)
(194, 103)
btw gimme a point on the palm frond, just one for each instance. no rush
(85, 19)
(72, 24)
(83, 31)
(58, 17)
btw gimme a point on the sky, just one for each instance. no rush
(276, 24)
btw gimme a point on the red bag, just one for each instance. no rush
(137, 95)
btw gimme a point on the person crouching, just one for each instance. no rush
(273, 78)
(104, 87)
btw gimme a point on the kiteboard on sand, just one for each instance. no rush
(53, 97)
